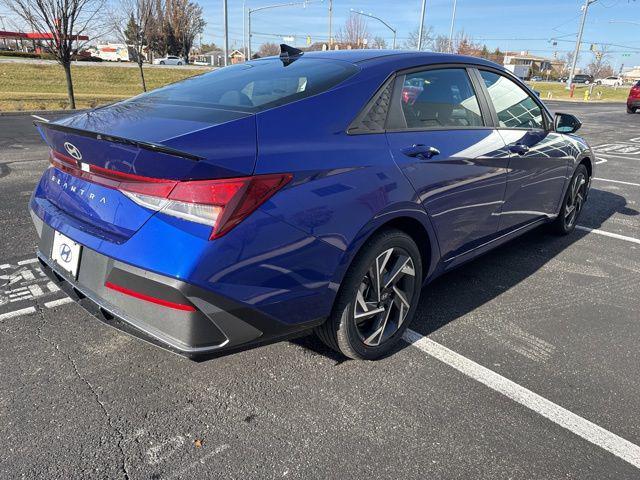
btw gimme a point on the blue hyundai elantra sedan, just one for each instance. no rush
(316, 191)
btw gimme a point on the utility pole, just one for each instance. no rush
(453, 20)
(330, 21)
(576, 52)
(225, 12)
(244, 31)
(421, 30)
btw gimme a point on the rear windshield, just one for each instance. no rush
(256, 85)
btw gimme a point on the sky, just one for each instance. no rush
(514, 25)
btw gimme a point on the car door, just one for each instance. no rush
(539, 158)
(440, 135)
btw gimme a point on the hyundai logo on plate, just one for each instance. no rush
(65, 253)
(72, 150)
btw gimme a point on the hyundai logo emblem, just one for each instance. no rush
(65, 253)
(73, 150)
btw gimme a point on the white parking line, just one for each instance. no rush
(617, 181)
(17, 313)
(608, 234)
(56, 303)
(604, 160)
(582, 427)
(27, 261)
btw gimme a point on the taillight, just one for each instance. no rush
(221, 204)
(635, 92)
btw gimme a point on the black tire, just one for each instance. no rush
(179, 63)
(161, 63)
(631, 110)
(573, 202)
(342, 332)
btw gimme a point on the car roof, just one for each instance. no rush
(364, 58)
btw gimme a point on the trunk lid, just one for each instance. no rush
(140, 142)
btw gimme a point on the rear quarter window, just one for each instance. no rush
(255, 86)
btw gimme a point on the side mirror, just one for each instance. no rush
(566, 123)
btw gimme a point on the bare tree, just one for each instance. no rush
(61, 22)
(600, 66)
(132, 26)
(354, 33)
(440, 44)
(379, 43)
(427, 39)
(269, 49)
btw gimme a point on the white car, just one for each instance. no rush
(611, 81)
(169, 60)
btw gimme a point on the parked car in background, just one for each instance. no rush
(537, 78)
(633, 101)
(583, 78)
(169, 60)
(610, 81)
(315, 191)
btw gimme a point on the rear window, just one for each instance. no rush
(255, 86)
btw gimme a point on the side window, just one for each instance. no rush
(437, 99)
(514, 106)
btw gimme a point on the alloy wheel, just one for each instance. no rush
(575, 201)
(382, 300)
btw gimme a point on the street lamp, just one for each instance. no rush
(381, 21)
(267, 7)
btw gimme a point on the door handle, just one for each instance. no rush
(518, 148)
(419, 150)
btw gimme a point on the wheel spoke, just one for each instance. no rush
(569, 210)
(381, 262)
(401, 296)
(404, 266)
(365, 307)
(378, 332)
(368, 313)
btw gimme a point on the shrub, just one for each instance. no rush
(5, 53)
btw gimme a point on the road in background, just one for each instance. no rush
(557, 316)
(38, 61)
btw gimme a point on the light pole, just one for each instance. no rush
(244, 29)
(576, 52)
(453, 20)
(278, 5)
(225, 13)
(381, 21)
(421, 30)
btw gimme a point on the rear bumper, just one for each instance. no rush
(217, 325)
(633, 102)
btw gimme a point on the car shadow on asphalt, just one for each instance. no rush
(465, 289)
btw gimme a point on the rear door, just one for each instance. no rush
(440, 134)
(538, 157)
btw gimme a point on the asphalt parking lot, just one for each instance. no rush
(522, 364)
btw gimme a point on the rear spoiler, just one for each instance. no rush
(154, 147)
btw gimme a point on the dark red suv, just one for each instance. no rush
(633, 102)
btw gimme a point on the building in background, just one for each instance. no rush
(632, 74)
(524, 65)
(214, 58)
